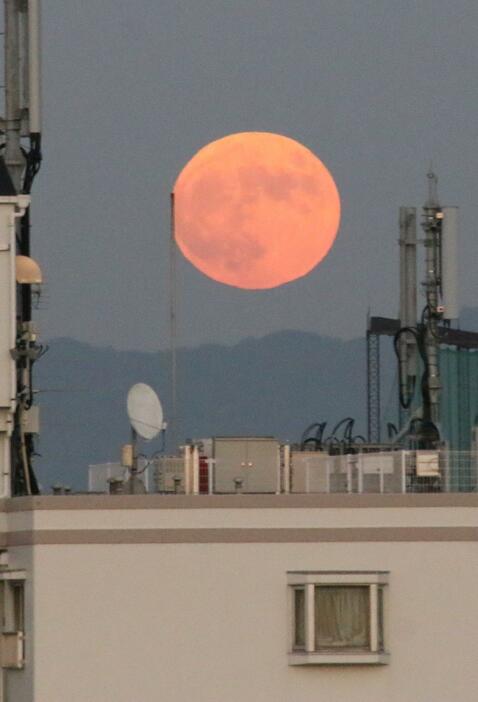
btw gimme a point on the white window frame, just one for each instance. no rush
(308, 580)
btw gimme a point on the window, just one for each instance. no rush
(337, 617)
(18, 597)
(12, 604)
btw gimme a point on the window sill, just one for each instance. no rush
(334, 658)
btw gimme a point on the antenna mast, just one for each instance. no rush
(173, 328)
(431, 224)
(21, 127)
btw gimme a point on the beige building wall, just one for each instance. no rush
(147, 603)
(18, 684)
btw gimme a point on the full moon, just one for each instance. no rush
(255, 210)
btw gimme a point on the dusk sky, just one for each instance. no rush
(376, 89)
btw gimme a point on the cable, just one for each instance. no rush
(348, 420)
(344, 444)
(33, 159)
(391, 430)
(317, 439)
(25, 457)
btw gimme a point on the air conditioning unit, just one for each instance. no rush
(12, 650)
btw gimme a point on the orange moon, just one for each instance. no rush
(255, 210)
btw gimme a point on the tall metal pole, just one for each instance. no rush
(173, 329)
(408, 306)
(34, 67)
(134, 466)
(373, 387)
(14, 158)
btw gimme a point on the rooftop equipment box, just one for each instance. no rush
(246, 464)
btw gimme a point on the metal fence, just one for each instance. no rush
(389, 472)
(379, 472)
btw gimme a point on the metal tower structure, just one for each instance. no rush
(433, 311)
(418, 338)
(21, 154)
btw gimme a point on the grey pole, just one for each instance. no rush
(14, 158)
(173, 433)
(408, 303)
(134, 467)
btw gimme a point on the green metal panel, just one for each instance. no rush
(459, 401)
(459, 412)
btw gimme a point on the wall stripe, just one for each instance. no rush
(217, 536)
(154, 501)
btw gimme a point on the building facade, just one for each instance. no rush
(224, 597)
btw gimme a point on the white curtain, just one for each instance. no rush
(342, 618)
(299, 618)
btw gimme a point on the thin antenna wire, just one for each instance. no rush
(173, 330)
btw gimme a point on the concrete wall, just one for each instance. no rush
(147, 603)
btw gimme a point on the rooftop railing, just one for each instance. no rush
(303, 472)
(391, 472)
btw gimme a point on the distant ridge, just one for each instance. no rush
(275, 385)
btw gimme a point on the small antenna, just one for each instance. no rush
(432, 187)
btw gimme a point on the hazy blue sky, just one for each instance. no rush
(132, 89)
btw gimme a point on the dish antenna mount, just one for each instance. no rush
(146, 417)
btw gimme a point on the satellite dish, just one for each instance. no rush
(144, 411)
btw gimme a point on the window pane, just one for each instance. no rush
(299, 618)
(342, 617)
(380, 619)
(18, 607)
